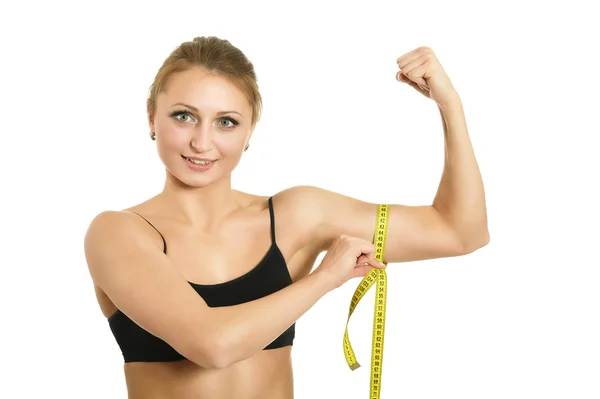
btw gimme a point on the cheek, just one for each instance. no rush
(230, 143)
(172, 136)
(176, 140)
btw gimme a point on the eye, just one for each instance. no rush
(232, 122)
(182, 116)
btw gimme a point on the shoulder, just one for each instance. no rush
(112, 220)
(111, 227)
(301, 202)
(318, 204)
(106, 221)
(304, 196)
(293, 201)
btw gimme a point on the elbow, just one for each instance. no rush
(215, 352)
(476, 241)
(220, 355)
(211, 354)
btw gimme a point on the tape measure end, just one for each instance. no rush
(354, 366)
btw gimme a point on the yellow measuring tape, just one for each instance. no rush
(378, 277)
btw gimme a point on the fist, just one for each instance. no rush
(348, 257)
(421, 70)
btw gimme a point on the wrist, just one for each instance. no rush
(323, 281)
(450, 105)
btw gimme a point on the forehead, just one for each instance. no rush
(203, 90)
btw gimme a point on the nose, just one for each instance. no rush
(202, 138)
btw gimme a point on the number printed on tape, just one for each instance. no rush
(377, 277)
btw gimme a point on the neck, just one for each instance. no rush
(203, 206)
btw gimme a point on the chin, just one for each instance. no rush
(198, 180)
(194, 179)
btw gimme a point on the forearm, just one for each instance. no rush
(247, 328)
(460, 198)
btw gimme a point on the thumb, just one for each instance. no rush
(402, 78)
(365, 260)
(361, 271)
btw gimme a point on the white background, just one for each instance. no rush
(517, 319)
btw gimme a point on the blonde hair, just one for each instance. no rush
(217, 56)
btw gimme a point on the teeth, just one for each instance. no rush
(199, 162)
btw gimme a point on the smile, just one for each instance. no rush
(199, 164)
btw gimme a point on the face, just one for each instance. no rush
(202, 125)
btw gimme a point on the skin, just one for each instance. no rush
(201, 218)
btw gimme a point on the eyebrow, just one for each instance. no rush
(218, 113)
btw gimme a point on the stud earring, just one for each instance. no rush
(152, 135)
(247, 145)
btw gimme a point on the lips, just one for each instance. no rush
(198, 161)
(199, 164)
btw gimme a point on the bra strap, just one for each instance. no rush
(161, 236)
(272, 214)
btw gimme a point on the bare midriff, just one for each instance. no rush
(266, 375)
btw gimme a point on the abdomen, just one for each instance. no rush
(266, 375)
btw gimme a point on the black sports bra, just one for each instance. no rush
(270, 275)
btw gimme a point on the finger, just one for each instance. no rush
(408, 57)
(417, 75)
(401, 78)
(411, 55)
(361, 271)
(416, 82)
(362, 260)
(368, 260)
(364, 248)
(376, 263)
(412, 65)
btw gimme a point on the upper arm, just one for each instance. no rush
(125, 262)
(414, 232)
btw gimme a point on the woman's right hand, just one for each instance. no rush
(348, 257)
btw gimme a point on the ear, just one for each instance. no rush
(150, 115)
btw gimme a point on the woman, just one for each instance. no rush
(202, 284)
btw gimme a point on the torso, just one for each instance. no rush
(237, 248)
